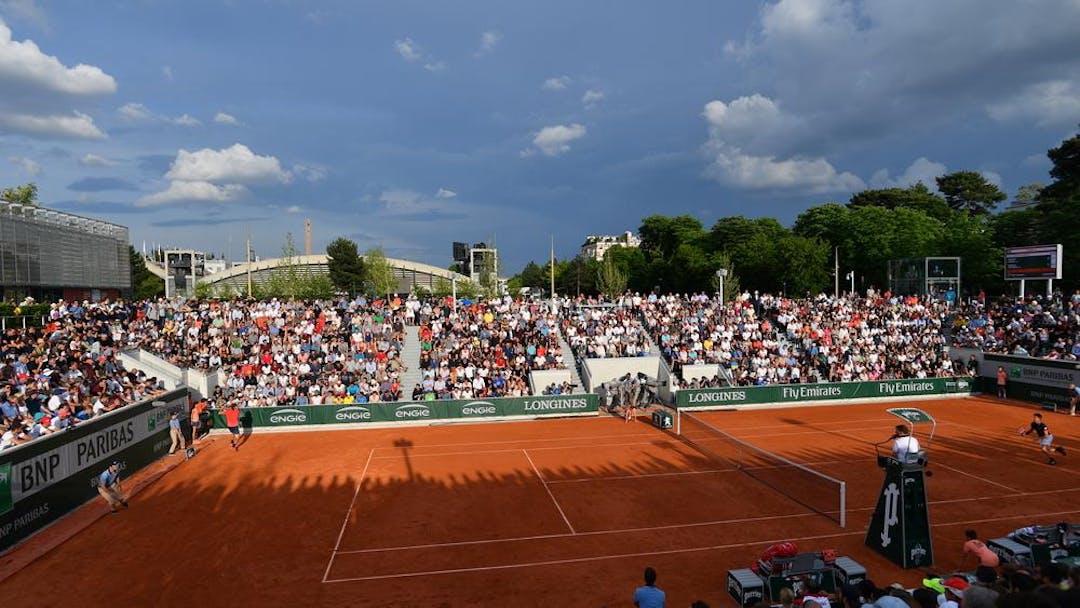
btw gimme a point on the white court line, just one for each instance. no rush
(548, 490)
(973, 476)
(640, 476)
(578, 560)
(517, 441)
(345, 523)
(495, 541)
(515, 450)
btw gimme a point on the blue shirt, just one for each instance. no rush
(108, 478)
(174, 423)
(649, 597)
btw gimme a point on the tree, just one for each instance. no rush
(610, 279)
(803, 264)
(144, 284)
(346, 267)
(21, 195)
(380, 275)
(577, 277)
(661, 236)
(1028, 194)
(917, 197)
(969, 191)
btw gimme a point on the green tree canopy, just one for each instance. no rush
(22, 195)
(970, 192)
(144, 284)
(346, 267)
(917, 197)
(380, 275)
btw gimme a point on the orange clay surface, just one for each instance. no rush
(543, 513)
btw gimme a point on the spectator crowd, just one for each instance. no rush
(1036, 326)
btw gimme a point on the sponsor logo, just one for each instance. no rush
(900, 388)
(24, 520)
(412, 411)
(353, 413)
(710, 396)
(810, 392)
(288, 416)
(479, 408)
(549, 405)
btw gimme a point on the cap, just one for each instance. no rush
(934, 583)
(956, 585)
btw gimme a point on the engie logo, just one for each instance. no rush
(353, 413)
(412, 411)
(479, 408)
(288, 416)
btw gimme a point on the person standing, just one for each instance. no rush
(176, 433)
(109, 486)
(232, 422)
(196, 423)
(1001, 380)
(649, 596)
(1074, 398)
(1046, 438)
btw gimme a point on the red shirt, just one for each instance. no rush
(232, 417)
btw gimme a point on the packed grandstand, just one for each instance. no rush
(275, 353)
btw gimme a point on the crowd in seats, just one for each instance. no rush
(559, 388)
(276, 353)
(1036, 326)
(486, 348)
(67, 372)
(601, 330)
(765, 339)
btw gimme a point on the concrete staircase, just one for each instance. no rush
(410, 356)
(571, 362)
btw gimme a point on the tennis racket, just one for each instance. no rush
(1021, 430)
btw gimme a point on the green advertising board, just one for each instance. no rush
(415, 411)
(825, 391)
(51, 476)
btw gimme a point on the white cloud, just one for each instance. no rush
(435, 66)
(311, 173)
(921, 169)
(993, 177)
(591, 98)
(488, 41)
(294, 209)
(406, 202)
(236, 163)
(133, 112)
(193, 191)
(28, 166)
(742, 134)
(863, 70)
(75, 126)
(409, 50)
(166, 71)
(1051, 103)
(555, 140)
(93, 160)
(226, 119)
(23, 64)
(556, 83)
(186, 120)
(27, 10)
(444, 193)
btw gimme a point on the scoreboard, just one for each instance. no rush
(1033, 262)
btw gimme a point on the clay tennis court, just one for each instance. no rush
(555, 512)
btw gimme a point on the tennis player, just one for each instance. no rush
(1074, 398)
(1046, 438)
(109, 486)
(232, 422)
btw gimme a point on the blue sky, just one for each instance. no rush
(414, 124)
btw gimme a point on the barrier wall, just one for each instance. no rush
(795, 393)
(542, 378)
(51, 476)
(1030, 379)
(599, 371)
(416, 411)
(203, 384)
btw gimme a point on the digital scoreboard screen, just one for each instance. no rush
(1034, 262)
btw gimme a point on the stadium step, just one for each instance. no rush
(571, 362)
(410, 356)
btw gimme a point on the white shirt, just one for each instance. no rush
(905, 445)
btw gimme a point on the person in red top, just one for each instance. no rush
(976, 547)
(1002, 378)
(232, 422)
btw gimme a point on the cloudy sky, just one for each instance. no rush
(413, 124)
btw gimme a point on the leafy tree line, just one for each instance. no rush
(678, 254)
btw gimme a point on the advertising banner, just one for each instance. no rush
(794, 393)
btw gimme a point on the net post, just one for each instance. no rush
(678, 422)
(843, 504)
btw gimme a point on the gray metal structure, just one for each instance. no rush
(50, 254)
(921, 276)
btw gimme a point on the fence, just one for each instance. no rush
(416, 411)
(828, 391)
(51, 476)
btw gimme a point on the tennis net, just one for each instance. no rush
(812, 489)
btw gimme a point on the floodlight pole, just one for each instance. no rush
(722, 274)
(1021, 289)
(836, 272)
